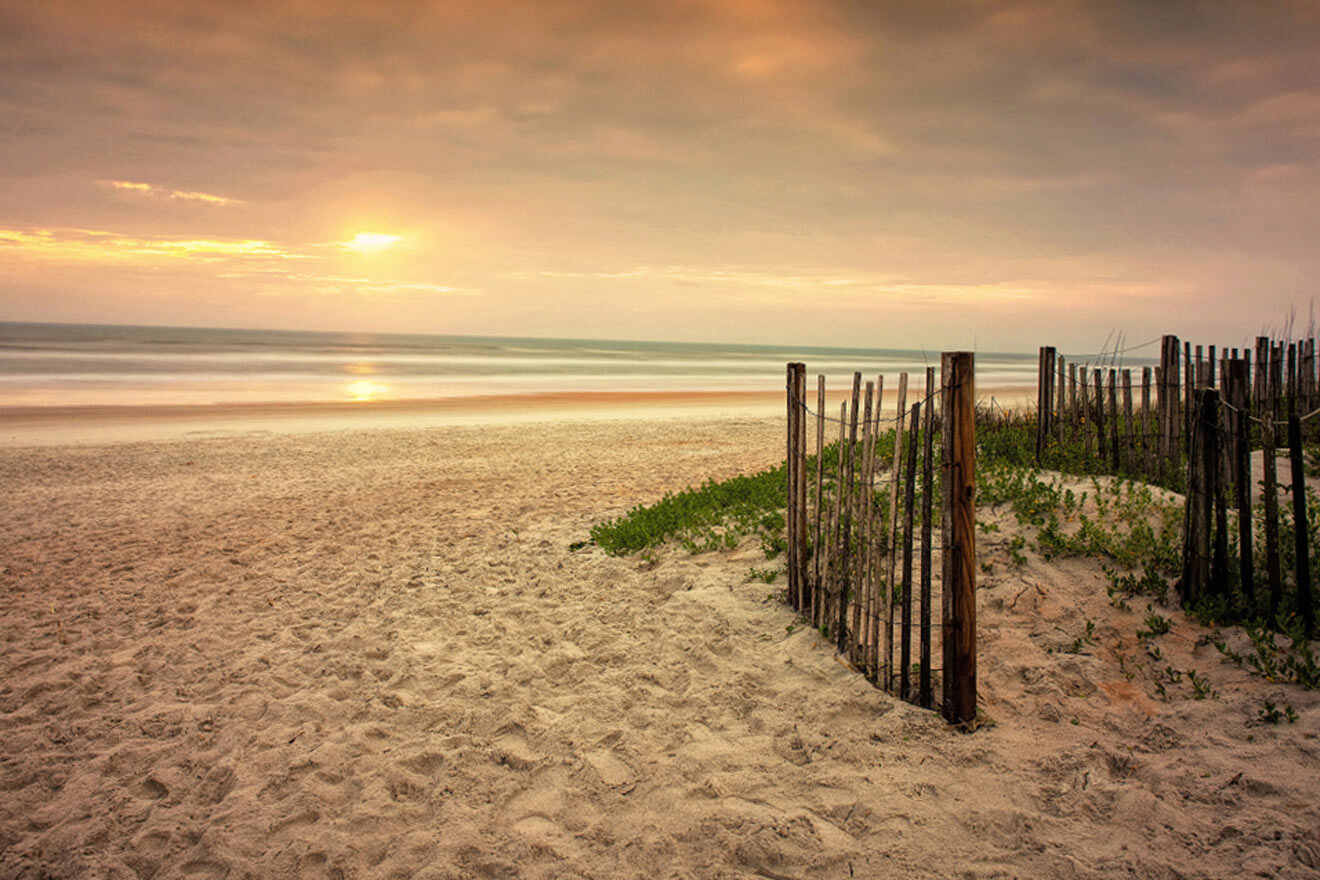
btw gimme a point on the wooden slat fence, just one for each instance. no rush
(861, 542)
(1197, 423)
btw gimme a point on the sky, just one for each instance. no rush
(886, 174)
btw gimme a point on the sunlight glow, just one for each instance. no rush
(371, 242)
(363, 390)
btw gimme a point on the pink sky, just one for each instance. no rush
(998, 175)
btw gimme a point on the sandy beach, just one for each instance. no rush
(246, 651)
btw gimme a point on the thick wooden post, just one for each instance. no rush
(1305, 606)
(957, 381)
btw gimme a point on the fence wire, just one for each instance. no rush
(894, 419)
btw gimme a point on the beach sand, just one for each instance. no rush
(371, 652)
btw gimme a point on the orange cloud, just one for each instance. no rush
(90, 245)
(162, 192)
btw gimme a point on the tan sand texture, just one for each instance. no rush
(371, 653)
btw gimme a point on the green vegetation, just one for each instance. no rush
(1271, 714)
(713, 516)
(717, 514)
(1132, 527)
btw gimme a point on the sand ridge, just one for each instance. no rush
(371, 653)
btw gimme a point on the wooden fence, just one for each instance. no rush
(1211, 407)
(852, 538)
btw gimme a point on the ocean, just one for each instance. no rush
(100, 365)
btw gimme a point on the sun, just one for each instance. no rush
(364, 391)
(371, 242)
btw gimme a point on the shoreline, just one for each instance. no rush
(58, 425)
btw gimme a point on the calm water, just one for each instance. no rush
(75, 364)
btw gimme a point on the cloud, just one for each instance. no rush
(716, 144)
(92, 245)
(353, 284)
(162, 192)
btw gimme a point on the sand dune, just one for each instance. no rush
(371, 653)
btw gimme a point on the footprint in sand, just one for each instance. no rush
(612, 771)
(304, 817)
(204, 868)
(512, 751)
(153, 788)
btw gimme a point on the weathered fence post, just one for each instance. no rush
(1101, 446)
(957, 380)
(1130, 458)
(1202, 469)
(819, 546)
(1072, 396)
(873, 576)
(1085, 417)
(857, 640)
(790, 463)
(1301, 531)
(1113, 421)
(1269, 487)
(1060, 413)
(1292, 376)
(1168, 403)
(892, 534)
(909, 517)
(1237, 389)
(1189, 404)
(1260, 388)
(924, 695)
(836, 577)
(800, 471)
(1147, 441)
(1044, 398)
(846, 566)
